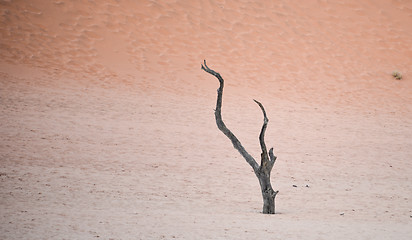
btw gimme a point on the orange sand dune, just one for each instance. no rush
(107, 125)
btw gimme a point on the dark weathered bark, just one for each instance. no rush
(267, 158)
(266, 165)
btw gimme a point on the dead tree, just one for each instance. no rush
(267, 158)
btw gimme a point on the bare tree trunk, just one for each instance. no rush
(262, 172)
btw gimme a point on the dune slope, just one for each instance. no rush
(107, 126)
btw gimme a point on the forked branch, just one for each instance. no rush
(267, 158)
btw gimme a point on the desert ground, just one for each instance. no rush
(107, 127)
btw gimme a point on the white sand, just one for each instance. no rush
(107, 126)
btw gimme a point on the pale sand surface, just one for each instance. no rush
(107, 125)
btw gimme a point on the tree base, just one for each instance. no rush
(268, 194)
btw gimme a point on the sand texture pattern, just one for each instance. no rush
(107, 126)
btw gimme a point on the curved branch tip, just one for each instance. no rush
(265, 118)
(204, 66)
